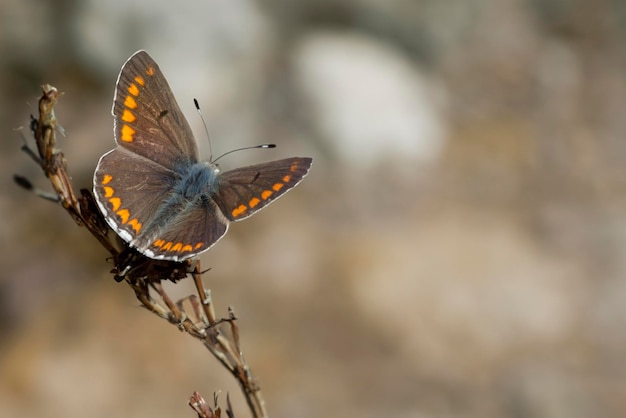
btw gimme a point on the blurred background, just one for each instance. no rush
(457, 249)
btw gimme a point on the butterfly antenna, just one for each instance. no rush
(206, 129)
(262, 146)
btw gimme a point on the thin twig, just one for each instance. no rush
(141, 273)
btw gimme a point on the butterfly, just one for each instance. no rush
(153, 189)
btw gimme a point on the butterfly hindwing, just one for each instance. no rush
(129, 190)
(193, 229)
(246, 190)
(148, 120)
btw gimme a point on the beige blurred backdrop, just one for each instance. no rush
(457, 249)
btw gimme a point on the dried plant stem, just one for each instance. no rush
(142, 274)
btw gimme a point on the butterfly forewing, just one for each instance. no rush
(148, 120)
(246, 190)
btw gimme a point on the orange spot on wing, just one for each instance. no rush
(266, 194)
(239, 210)
(130, 102)
(139, 79)
(108, 191)
(133, 89)
(277, 186)
(186, 248)
(128, 133)
(294, 167)
(198, 245)
(150, 71)
(135, 224)
(286, 178)
(107, 178)
(178, 246)
(167, 246)
(128, 116)
(253, 202)
(159, 243)
(116, 202)
(124, 214)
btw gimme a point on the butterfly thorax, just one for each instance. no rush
(194, 187)
(198, 181)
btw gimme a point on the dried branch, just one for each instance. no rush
(144, 275)
(203, 410)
